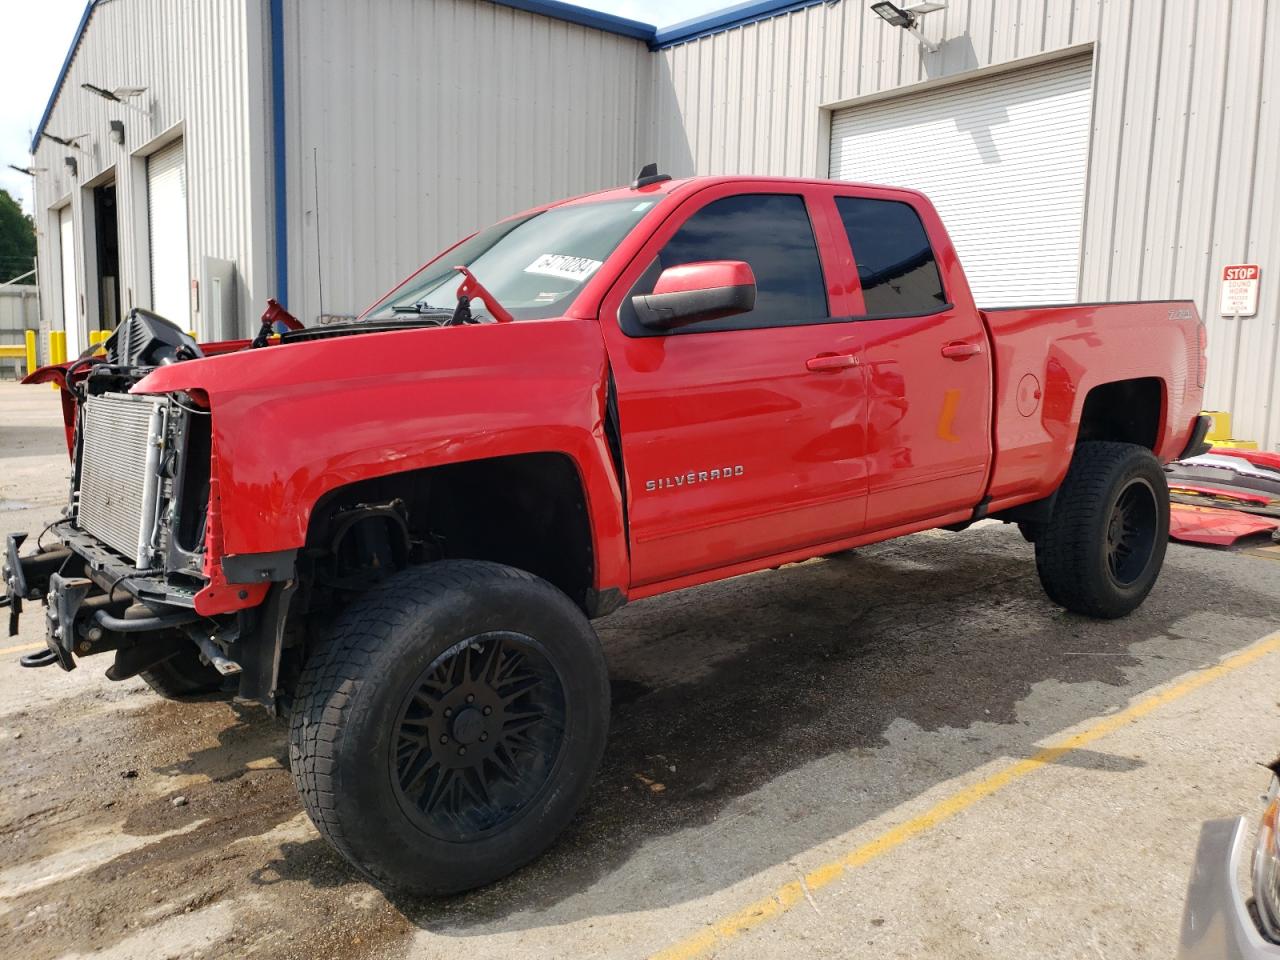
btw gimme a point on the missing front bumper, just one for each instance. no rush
(27, 578)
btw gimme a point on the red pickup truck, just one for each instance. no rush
(398, 530)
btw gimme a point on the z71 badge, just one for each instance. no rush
(691, 478)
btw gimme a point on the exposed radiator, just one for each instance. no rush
(120, 472)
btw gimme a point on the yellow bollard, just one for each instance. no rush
(57, 349)
(1221, 429)
(32, 359)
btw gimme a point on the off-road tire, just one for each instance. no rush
(1077, 567)
(348, 721)
(184, 677)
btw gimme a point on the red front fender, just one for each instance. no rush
(56, 373)
(292, 423)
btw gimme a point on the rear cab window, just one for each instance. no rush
(896, 266)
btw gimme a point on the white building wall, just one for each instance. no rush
(1183, 156)
(750, 99)
(1185, 162)
(427, 119)
(201, 64)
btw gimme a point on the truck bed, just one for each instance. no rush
(1048, 358)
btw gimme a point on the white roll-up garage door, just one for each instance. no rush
(70, 295)
(167, 224)
(1004, 161)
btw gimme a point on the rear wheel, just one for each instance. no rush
(1102, 549)
(451, 726)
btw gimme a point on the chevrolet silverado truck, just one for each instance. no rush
(397, 530)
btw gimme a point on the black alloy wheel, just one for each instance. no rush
(448, 728)
(479, 736)
(1103, 546)
(1131, 532)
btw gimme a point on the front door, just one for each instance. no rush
(736, 445)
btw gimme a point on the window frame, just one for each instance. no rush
(843, 249)
(810, 195)
(944, 304)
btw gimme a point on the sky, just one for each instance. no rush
(36, 48)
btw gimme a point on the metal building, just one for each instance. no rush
(317, 150)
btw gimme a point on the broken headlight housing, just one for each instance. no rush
(1266, 866)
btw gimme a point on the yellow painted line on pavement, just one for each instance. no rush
(24, 648)
(722, 931)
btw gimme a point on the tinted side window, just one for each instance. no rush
(771, 232)
(895, 262)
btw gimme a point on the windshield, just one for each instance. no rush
(534, 265)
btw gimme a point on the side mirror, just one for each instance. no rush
(695, 292)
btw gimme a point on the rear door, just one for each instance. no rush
(927, 361)
(734, 449)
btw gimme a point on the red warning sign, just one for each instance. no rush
(1240, 282)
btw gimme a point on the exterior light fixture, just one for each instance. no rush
(72, 142)
(908, 18)
(117, 131)
(892, 14)
(120, 95)
(72, 167)
(29, 171)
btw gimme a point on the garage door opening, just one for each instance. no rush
(167, 230)
(107, 245)
(1004, 160)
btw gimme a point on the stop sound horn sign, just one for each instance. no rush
(1240, 283)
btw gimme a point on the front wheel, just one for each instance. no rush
(451, 726)
(185, 677)
(1102, 549)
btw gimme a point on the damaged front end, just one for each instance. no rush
(134, 568)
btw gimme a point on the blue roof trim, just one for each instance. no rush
(587, 18)
(735, 16)
(62, 74)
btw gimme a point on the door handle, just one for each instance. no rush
(831, 362)
(961, 350)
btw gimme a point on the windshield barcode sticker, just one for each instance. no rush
(576, 269)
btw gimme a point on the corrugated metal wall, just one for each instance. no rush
(19, 312)
(1185, 150)
(1185, 166)
(202, 67)
(427, 119)
(748, 100)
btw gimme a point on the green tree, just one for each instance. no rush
(17, 239)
